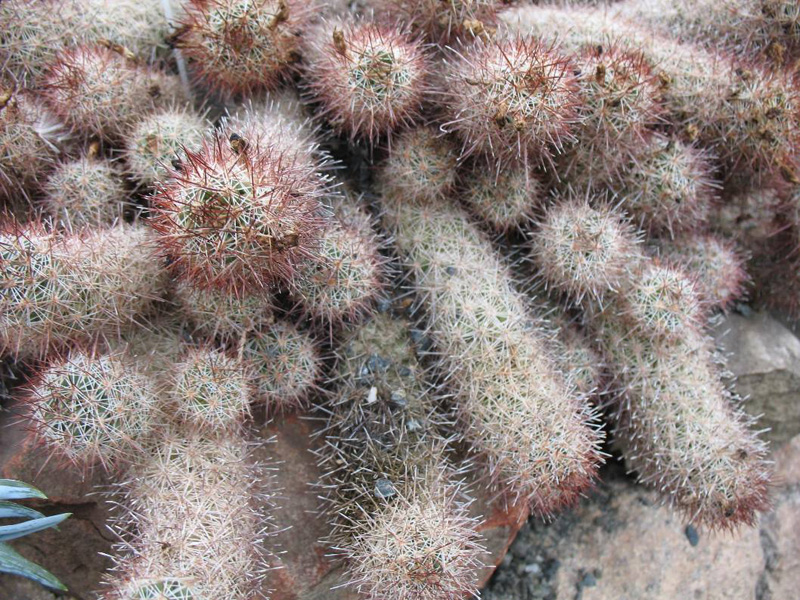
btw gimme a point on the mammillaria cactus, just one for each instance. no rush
(344, 282)
(234, 215)
(538, 439)
(100, 92)
(715, 264)
(421, 164)
(92, 409)
(369, 79)
(582, 249)
(33, 33)
(77, 288)
(443, 21)
(30, 139)
(673, 419)
(515, 99)
(748, 116)
(283, 365)
(437, 242)
(158, 140)
(210, 391)
(199, 503)
(240, 46)
(213, 313)
(84, 192)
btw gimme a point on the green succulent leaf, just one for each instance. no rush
(17, 490)
(12, 562)
(10, 532)
(11, 510)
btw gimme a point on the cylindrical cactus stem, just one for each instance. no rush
(102, 93)
(672, 415)
(538, 438)
(213, 313)
(240, 46)
(283, 366)
(157, 141)
(240, 213)
(343, 283)
(680, 429)
(584, 250)
(747, 116)
(715, 264)
(369, 80)
(504, 199)
(198, 503)
(77, 288)
(421, 165)
(513, 99)
(443, 22)
(398, 512)
(30, 140)
(210, 390)
(87, 192)
(92, 409)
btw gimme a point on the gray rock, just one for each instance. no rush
(620, 543)
(764, 356)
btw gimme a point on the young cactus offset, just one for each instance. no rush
(240, 213)
(85, 192)
(369, 79)
(240, 46)
(283, 366)
(513, 99)
(157, 141)
(92, 409)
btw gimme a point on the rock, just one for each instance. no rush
(780, 529)
(621, 544)
(764, 356)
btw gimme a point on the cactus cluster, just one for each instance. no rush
(474, 242)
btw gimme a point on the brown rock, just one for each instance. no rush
(764, 356)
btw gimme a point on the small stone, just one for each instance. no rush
(399, 399)
(384, 489)
(588, 580)
(377, 363)
(413, 425)
(372, 396)
(451, 270)
(692, 535)
(533, 569)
